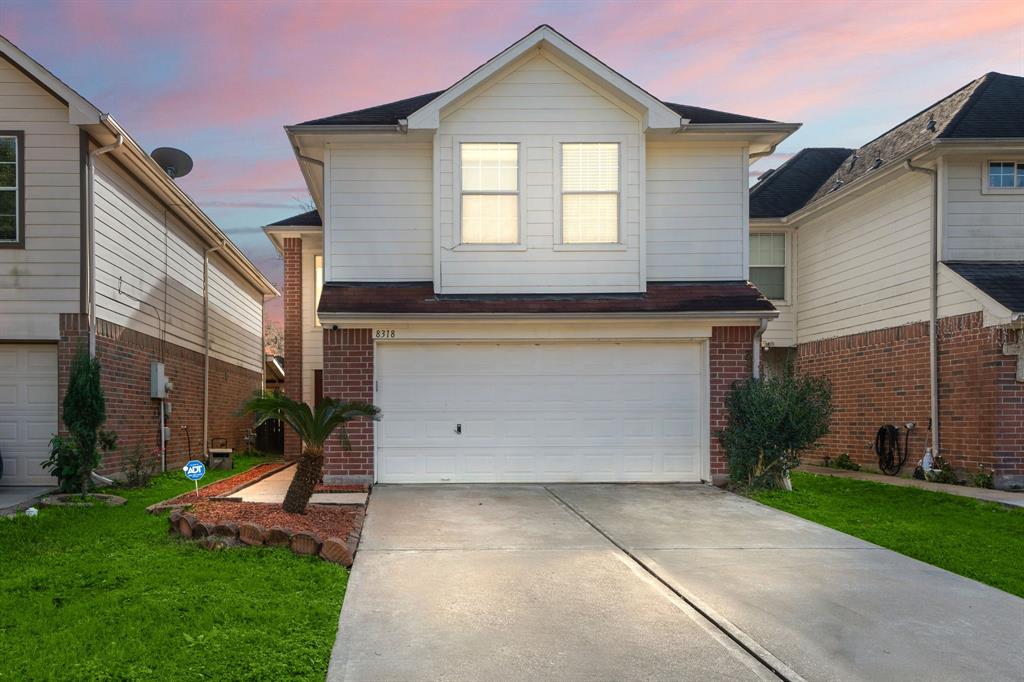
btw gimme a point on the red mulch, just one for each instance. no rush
(227, 485)
(351, 488)
(323, 520)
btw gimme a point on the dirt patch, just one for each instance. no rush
(321, 520)
(222, 487)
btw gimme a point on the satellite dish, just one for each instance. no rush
(175, 162)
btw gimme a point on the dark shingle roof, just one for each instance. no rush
(419, 298)
(788, 188)
(392, 112)
(307, 219)
(1003, 281)
(989, 107)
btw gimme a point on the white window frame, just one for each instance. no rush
(19, 201)
(520, 243)
(787, 270)
(986, 188)
(559, 242)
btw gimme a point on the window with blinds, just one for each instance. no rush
(590, 193)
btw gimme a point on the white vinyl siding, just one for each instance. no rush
(696, 217)
(379, 219)
(864, 265)
(41, 280)
(149, 276)
(540, 105)
(312, 333)
(979, 224)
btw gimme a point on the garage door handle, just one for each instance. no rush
(458, 429)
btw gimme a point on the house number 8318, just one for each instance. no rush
(384, 333)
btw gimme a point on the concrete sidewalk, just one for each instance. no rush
(272, 489)
(471, 582)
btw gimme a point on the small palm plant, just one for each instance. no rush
(313, 427)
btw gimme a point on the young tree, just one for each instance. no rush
(273, 339)
(72, 459)
(771, 422)
(313, 427)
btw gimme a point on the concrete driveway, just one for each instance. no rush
(681, 582)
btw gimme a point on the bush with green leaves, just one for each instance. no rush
(73, 457)
(772, 420)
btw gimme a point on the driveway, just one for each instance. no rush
(615, 582)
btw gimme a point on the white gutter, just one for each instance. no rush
(933, 303)
(206, 345)
(91, 218)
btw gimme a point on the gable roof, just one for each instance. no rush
(307, 219)
(392, 112)
(788, 188)
(989, 107)
(1001, 281)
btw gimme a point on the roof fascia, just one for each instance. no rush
(370, 319)
(80, 110)
(278, 234)
(656, 115)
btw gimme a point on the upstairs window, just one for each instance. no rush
(490, 193)
(1005, 175)
(590, 193)
(11, 186)
(768, 264)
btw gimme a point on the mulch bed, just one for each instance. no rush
(221, 488)
(322, 520)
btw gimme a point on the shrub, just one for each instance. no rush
(85, 411)
(136, 468)
(985, 478)
(941, 472)
(843, 461)
(771, 421)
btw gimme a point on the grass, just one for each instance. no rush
(105, 593)
(979, 540)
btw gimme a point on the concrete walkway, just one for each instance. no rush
(1003, 497)
(272, 489)
(649, 582)
(15, 498)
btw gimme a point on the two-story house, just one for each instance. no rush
(538, 274)
(101, 250)
(898, 271)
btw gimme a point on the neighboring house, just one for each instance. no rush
(539, 274)
(91, 228)
(858, 251)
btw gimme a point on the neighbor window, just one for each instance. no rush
(490, 193)
(1005, 174)
(11, 174)
(318, 285)
(768, 264)
(590, 193)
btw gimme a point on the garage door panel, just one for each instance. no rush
(28, 411)
(540, 411)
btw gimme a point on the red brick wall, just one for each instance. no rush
(292, 333)
(882, 377)
(125, 356)
(348, 375)
(731, 360)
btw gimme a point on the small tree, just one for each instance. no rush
(313, 427)
(85, 411)
(771, 422)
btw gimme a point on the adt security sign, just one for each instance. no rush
(194, 470)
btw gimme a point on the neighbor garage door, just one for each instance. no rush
(28, 411)
(604, 411)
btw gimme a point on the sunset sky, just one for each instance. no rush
(220, 79)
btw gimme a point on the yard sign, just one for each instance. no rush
(194, 470)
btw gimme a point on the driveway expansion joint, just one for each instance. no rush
(742, 639)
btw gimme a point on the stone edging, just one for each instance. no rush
(222, 535)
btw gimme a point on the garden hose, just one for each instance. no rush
(891, 457)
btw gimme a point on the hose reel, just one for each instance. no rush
(891, 457)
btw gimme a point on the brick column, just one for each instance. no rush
(292, 334)
(731, 352)
(348, 375)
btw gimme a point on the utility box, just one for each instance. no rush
(157, 380)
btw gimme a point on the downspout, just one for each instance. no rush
(757, 347)
(90, 209)
(206, 346)
(933, 303)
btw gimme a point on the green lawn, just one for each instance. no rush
(107, 594)
(980, 540)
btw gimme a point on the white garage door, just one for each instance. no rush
(28, 411)
(604, 411)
